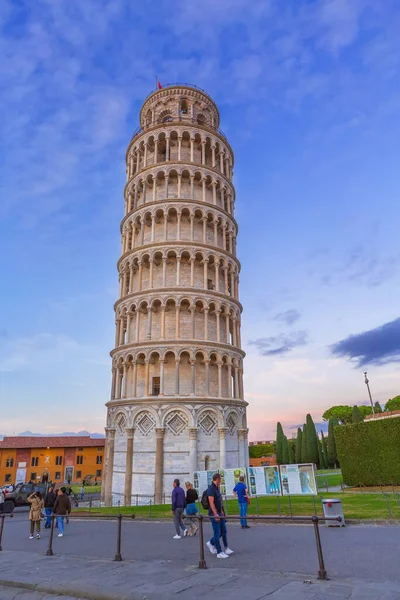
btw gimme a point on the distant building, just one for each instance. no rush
(264, 461)
(58, 459)
(262, 443)
(390, 414)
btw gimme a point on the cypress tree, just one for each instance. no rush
(332, 452)
(279, 443)
(312, 440)
(320, 464)
(304, 452)
(298, 445)
(324, 450)
(356, 416)
(285, 450)
(377, 408)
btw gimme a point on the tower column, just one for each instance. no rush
(159, 474)
(242, 441)
(128, 466)
(109, 465)
(192, 451)
(222, 447)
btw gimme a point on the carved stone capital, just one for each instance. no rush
(222, 432)
(193, 433)
(160, 432)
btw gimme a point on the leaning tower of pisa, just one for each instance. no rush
(177, 403)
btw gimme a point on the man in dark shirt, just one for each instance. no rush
(48, 505)
(61, 508)
(218, 524)
(178, 506)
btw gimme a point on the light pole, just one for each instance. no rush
(369, 391)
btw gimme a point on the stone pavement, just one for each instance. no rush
(33, 576)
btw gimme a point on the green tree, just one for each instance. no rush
(320, 464)
(279, 442)
(324, 450)
(285, 450)
(304, 452)
(342, 413)
(356, 416)
(332, 451)
(312, 440)
(261, 450)
(292, 452)
(377, 408)
(393, 404)
(365, 410)
(298, 445)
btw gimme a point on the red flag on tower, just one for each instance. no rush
(159, 85)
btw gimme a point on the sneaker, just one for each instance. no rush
(228, 551)
(60, 535)
(38, 536)
(246, 526)
(31, 537)
(222, 555)
(176, 537)
(185, 533)
(211, 548)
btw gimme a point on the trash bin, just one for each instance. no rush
(333, 508)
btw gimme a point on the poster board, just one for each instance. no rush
(298, 479)
(264, 481)
(201, 480)
(229, 478)
(21, 475)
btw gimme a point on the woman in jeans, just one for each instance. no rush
(191, 508)
(35, 514)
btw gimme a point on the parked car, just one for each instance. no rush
(20, 495)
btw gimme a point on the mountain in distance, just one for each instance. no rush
(64, 434)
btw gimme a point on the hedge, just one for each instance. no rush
(369, 452)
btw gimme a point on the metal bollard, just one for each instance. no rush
(314, 507)
(118, 556)
(1, 530)
(388, 506)
(3, 516)
(50, 546)
(322, 574)
(202, 561)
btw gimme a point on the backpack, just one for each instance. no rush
(204, 500)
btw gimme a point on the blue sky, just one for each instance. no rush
(309, 98)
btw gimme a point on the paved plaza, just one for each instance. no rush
(274, 561)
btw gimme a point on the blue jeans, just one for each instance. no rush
(243, 506)
(60, 523)
(48, 512)
(219, 530)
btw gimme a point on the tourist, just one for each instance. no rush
(191, 508)
(240, 492)
(49, 501)
(2, 498)
(82, 491)
(35, 513)
(62, 508)
(216, 510)
(178, 505)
